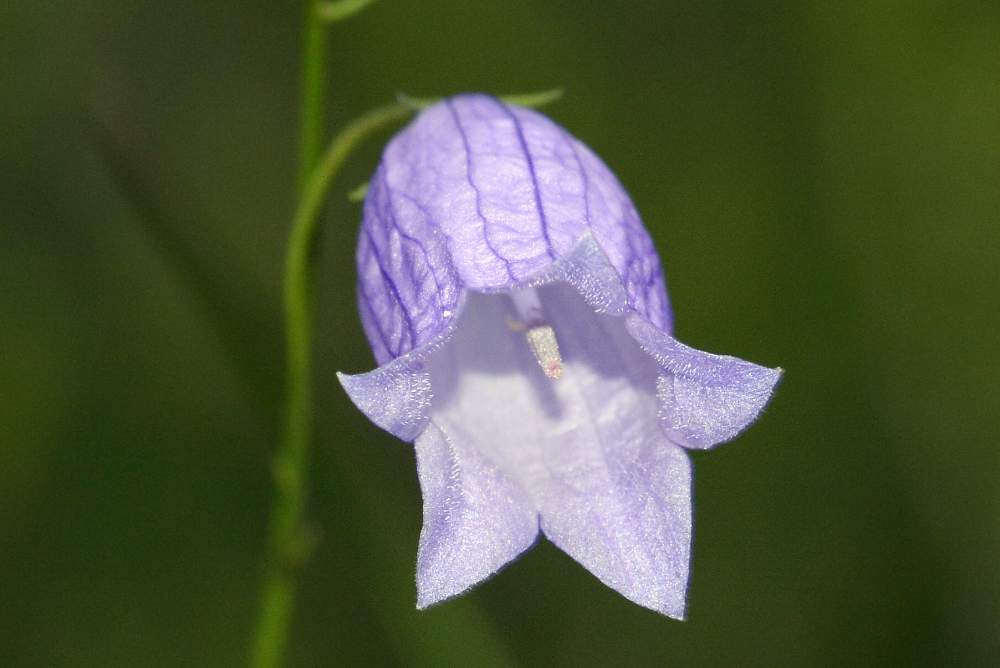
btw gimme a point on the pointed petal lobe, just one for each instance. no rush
(476, 519)
(633, 533)
(705, 399)
(587, 268)
(395, 396)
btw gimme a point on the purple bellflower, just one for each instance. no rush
(518, 312)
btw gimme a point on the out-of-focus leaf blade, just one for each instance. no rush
(235, 327)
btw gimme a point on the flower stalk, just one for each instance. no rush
(289, 541)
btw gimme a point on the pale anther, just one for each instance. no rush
(540, 335)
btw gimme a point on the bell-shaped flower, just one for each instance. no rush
(519, 314)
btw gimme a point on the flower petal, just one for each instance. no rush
(395, 396)
(480, 195)
(476, 519)
(616, 493)
(633, 533)
(587, 268)
(705, 399)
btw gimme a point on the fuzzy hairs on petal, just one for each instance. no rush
(705, 399)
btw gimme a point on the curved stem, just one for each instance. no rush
(289, 542)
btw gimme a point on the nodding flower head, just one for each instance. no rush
(519, 314)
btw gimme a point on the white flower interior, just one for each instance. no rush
(584, 457)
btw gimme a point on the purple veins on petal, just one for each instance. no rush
(539, 206)
(478, 194)
(377, 336)
(393, 290)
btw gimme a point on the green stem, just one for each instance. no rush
(312, 107)
(289, 541)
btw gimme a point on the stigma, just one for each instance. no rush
(539, 334)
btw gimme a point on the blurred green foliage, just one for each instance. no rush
(821, 180)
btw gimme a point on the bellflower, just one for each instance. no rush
(518, 312)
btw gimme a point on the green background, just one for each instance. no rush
(822, 180)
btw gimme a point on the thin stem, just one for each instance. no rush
(312, 107)
(289, 541)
